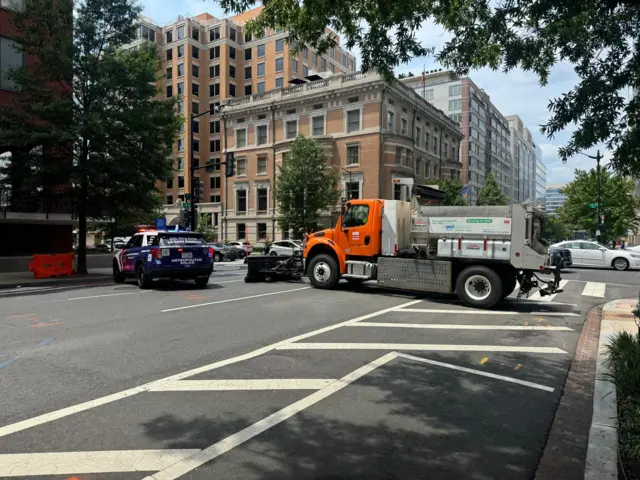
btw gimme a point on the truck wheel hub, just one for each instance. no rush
(478, 287)
(322, 272)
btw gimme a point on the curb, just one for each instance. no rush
(57, 282)
(602, 451)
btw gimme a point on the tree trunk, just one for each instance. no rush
(82, 213)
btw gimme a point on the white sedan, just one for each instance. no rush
(285, 247)
(591, 254)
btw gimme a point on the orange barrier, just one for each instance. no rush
(56, 265)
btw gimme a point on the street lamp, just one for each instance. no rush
(597, 158)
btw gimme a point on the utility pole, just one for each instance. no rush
(597, 158)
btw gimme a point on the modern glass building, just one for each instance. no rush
(554, 199)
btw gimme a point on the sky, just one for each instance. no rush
(515, 93)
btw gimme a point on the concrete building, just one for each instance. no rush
(523, 155)
(486, 146)
(41, 213)
(541, 178)
(373, 132)
(553, 198)
(207, 60)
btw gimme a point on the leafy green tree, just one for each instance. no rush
(554, 229)
(617, 204)
(208, 231)
(93, 103)
(490, 193)
(451, 189)
(598, 38)
(307, 185)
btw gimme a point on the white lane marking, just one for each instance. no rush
(536, 302)
(594, 289)
(477, 372)
(422, 347)
(233, 299)
(73, 463)
(442, 326)
(232, 441)
(537, 297)
(81, 407)
(485, 312)
(258, 384)
(109, 295)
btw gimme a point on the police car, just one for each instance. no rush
(152, 254)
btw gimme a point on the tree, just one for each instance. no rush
(617, 204)
(451, 189)
(554, 229)
(208, 231)
(598, 38)
(92, 102)
(490, 193)
(307, 185)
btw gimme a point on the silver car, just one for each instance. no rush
(285, 247)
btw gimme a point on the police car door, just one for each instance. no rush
(130, 253)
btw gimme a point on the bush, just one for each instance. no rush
(623, 358)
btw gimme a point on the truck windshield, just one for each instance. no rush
(181, 239)
(356, 216)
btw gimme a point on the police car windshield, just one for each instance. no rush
(167, 240)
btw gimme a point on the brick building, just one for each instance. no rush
(42, 216)
(373, 132)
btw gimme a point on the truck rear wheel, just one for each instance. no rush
(323, 271)
(479, 287)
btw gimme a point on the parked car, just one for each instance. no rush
(560, 257)
(224, 252)
(586, 253)
(242, 245)
(285, 247)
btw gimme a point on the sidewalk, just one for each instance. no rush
(583, 441)
(10, 280)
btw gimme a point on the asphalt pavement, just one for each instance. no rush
(279, 380)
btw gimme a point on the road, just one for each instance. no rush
(279, 380)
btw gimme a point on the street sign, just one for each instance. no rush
(186, 205)
(593, 205)
(597, 232)
(161, 223)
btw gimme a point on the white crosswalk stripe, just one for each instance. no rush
(594, 289)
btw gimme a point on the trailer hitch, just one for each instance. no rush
(529, 280)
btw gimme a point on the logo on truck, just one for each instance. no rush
(449, 228)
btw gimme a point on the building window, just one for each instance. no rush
(195, 33)
(180, 51)
(214, 89)
(391, 121)
(291, 129)
(317, 126)
(241, 202)
(353, 154)
(418, 136)
(214, 71)
(215, 199)
(180, 107)
(169, 54)
(232, 90)
(262, 231)
(323, 62)
(168, 37)
(352, 190)
(247, 73)
(403, 126)
(305, 53)
(260, 87)
(195, 108)
(280, 45)
(353, 121)
(241, 167)
(214, 52)
(294, 66)
(344, 60)
(181, 32)
(398, 155)
(248, 89)
(455, 90)
(232, 53)
(305, 70)
(247, 37)
(169, 91)
(214, 182)
(435, 145)
(170, 183)
(263, 200)
(427, 94)
(241, 231)
(180, 182)
(232, 71)
(214, 34)
(214, 126)
(279, 64)
(261, 69)
(260, 49)
(195, 70)
(181, 144)
(169, 200)
(196, 147)
(195, 89)
(241, 137)
(214, 107)
(247, 54)
(180, 163)
(145, 32)
(214, 145)
(181, 70)
(232, 34)
(195, 52)
(196, 126)
(261, 133)
(455, 104)
(262, 165)
(279, 82)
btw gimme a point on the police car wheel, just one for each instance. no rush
(217, 257)
(201, 282)
(143, 280)
(118, 277)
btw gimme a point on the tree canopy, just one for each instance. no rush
(599, 39)
(490, 193)
(94, 101)
(617, 204)
(451, 189)
(307, 185)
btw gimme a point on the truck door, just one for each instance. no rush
(356, 232)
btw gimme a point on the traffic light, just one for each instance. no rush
(198, 190)
(230, 168)
(602, 218)
(186, 217)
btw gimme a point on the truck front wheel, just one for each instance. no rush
(479, 287)
(323, 271)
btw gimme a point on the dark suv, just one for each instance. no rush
(560, 257)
